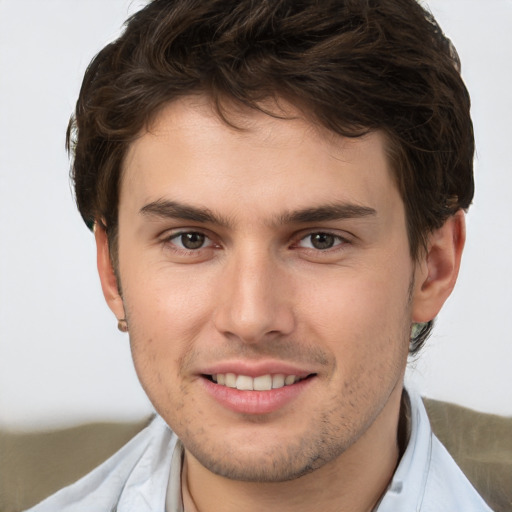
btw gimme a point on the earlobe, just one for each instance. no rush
(437, 272)
(106, 272)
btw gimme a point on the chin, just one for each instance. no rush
(276, 463)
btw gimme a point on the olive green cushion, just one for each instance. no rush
(35, 465)
(481, 444)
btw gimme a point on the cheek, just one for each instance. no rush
(167, 300)
(166, 316)
(364, 328)
(358, 312)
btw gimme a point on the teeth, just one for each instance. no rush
(263, 383)
(244, 383)
(230, 380)
(260, 383)
(290, 379)
(277, 381)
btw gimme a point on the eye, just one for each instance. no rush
(190, 240)
(321, 241)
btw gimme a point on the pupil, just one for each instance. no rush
(192, 240)
(322, 241)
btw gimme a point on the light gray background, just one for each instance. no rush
(62, 360)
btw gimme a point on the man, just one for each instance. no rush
(277, 191)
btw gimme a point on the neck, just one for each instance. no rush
(353, 482)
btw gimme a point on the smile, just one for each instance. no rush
(257, 393)
(261, 383)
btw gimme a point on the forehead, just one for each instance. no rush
(188, 153)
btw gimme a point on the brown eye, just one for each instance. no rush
(189, 240)
(192, 240)
(322, 241)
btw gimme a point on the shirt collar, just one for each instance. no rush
(407, 487)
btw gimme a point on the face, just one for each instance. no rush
(267, 284)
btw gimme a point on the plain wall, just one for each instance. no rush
(62, 360)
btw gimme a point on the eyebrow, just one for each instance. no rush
(174, 210)
(163, 208)
(332, 211)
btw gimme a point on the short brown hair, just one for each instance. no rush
(352, 66)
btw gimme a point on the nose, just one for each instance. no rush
(255, 299)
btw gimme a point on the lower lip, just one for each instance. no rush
(255, 402)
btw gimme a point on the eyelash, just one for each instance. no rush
(170, 241)
(338, 241)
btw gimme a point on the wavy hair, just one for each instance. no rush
(352, 66)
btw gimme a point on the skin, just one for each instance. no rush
(260, 291)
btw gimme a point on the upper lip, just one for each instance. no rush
(255, 369)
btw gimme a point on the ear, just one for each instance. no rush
(437, 270)
(106, 272)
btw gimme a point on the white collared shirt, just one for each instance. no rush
(145, 476)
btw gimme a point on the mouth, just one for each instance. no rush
(265, 382)
(256, 391)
